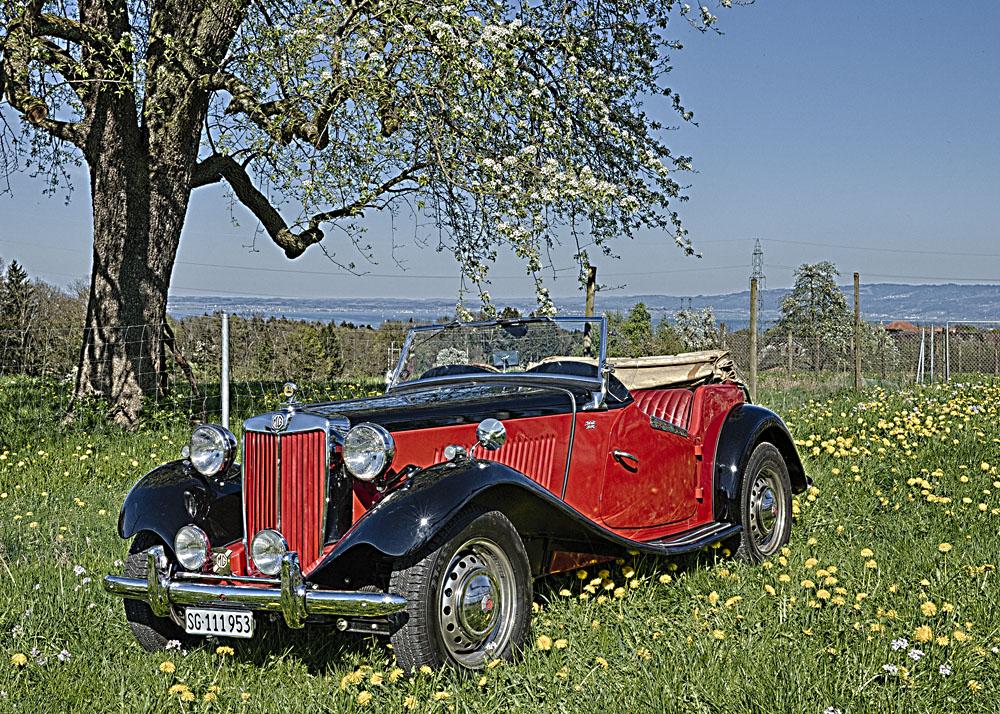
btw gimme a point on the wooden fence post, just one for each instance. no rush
(753, 339)
(857, 333)
(789, 350)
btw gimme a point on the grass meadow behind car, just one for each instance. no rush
(885, 600)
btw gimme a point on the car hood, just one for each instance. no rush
(446, 405)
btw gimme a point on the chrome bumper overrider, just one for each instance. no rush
(292, 598)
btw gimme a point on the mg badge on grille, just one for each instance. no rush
(278, 422)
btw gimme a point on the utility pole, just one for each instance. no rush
(591, 289)
(588, 310)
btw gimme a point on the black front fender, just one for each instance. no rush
(175, 494)
(746, 426)
(404, 520)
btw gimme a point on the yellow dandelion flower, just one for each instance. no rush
(810, 562)
(784, 578)
(769, 589)
(923, 634)
(561, 644)
(959, 636)
(187, 696)
(928, 608)
(209, 697)
(974, 685)
(871, 564)
(376, 678)
(944, 547)
(441, 696)
(364, 697)
(713, 597)
(581, 574)
(411, 702)
(719, 634)
(544, 643)
(942, 641)
(732, 601)
(823, 594)
(619, 592)
(947, 607)
(494, 663)
(167, 667)
(482, 681)
(628, 571)
(808, 584)
(244, 695)
(603, 663)
(424, 669)
(18, 660)
(565, 593)
(224, 651)
(396, 673)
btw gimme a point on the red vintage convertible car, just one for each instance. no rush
(500, 452)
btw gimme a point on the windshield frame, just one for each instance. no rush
(596, 385)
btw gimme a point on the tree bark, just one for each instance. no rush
(141, 163)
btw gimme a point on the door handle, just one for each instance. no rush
(620, 456)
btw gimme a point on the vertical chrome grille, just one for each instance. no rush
(284, 487)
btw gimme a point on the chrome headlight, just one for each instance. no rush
(266, 550)
(368, 451)
(212, 449)
(191, 547)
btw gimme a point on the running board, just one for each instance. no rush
(695, 538)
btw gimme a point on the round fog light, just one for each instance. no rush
(266, 550)
(191, 547)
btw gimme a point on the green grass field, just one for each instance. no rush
(885, 600)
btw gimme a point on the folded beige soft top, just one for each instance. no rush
(686, 370)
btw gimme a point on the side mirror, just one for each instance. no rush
(491, 433)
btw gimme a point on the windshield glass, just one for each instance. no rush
(541, 345)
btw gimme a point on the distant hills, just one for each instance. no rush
(880, 302)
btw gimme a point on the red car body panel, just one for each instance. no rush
(670, 492)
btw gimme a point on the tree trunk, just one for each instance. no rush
(140, 185)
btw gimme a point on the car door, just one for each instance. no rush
(649, 476)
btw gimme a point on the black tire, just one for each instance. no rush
(151, 632)
(468, 595)
(765, 505)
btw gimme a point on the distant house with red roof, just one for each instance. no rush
(901, 326)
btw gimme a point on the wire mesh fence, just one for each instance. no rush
(40, 382)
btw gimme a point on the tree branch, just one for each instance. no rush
(219, 166)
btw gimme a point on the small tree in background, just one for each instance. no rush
(817, 309)
(696, 329)
(17, 306)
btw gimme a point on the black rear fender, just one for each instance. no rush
(746, 426)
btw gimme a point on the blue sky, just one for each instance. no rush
(865, 133)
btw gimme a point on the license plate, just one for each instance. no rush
(227, 623)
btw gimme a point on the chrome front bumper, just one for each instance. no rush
(292, 597)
